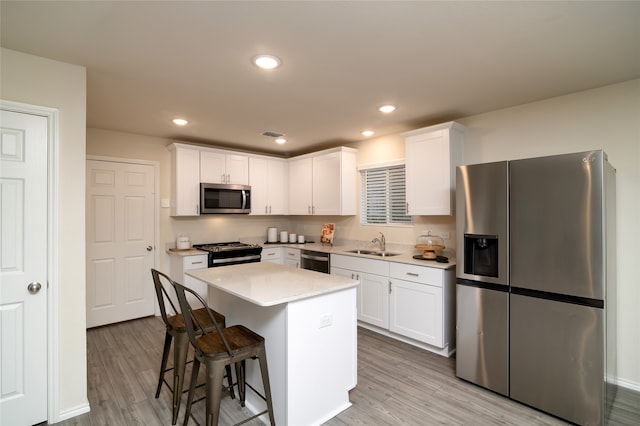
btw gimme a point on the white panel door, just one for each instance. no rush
(23, 258)
(120, 240)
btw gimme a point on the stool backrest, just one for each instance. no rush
(191, 321)
(161, 282)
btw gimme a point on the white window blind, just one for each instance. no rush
(383, 199)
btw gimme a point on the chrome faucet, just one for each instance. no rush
(381, 241)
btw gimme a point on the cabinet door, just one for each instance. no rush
(277, 187)
(374, 308)
(416, 311)
(300, 187)
(326, 184)
(431, 157)
(185, 184)
(237, 168)
(212, 167)
(258, 176)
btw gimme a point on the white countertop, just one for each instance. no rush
(402, 257)
(268, 284)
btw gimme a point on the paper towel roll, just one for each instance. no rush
(272, 235)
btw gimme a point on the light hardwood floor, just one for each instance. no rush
(398, 384)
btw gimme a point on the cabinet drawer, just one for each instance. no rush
(372, 266)
(414, 273)
(271, 253)
(292, 254)
(197, 261)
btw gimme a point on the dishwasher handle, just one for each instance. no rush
(319, 258)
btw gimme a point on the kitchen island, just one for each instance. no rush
(309, 323)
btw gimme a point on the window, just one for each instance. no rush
(383, 196)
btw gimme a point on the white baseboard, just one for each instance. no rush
(73, 412)
(627, 384)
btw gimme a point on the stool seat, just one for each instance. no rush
(177, 322)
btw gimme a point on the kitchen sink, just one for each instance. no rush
(373, 253)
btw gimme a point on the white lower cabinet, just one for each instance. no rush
(272, 254)
(180, 264)
(292, 257)
(416, 311)
(373, 292)
(404, 300)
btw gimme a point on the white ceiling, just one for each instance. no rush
(148, 62)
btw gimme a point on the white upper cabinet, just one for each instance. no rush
(185, 180)
(323, 183)
(268, 180)
(431, 156)
(223, 167)
(300, 184)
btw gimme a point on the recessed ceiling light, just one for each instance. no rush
(180, 122)
(387, 108)
(281, 141)
(266, 62)
(367, 133)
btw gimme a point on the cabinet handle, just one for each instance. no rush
(270, 254)
(313, 209)
(197, 209)
(406, 209)
(413, 274)
(265, 209)
(389, 287)
(228, 178)
(269, 209)
(309, 209)
(197, 263)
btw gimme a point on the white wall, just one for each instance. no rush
(38, 81)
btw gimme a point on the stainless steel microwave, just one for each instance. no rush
(220, 198)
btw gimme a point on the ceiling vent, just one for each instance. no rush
(273, 134)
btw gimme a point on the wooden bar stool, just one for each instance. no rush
(217, 351)
(176, 329)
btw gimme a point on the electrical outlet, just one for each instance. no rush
(445, 235)
(326, 320)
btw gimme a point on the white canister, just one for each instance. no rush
(284, 237)
(292, 238)
(182, 242)
(272, 235)
(301, 239)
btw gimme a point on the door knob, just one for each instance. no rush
(149, 248)
(34, 287)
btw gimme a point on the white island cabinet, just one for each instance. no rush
(308, 320)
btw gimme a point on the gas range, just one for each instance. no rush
(230, 253)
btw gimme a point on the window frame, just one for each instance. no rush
(386, 167)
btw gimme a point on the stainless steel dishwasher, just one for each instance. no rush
(314, 260)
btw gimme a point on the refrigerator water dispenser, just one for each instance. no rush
(481, 255)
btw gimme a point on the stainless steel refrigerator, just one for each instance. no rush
(536, 281)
